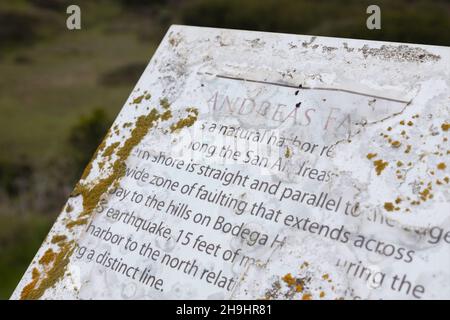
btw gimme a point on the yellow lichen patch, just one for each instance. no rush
(36, 288)
(441, 166)
(78, 222)
(91, 196)
(370, 156)
(31, 286)
(110, 149)
(298, 288)
(425, 194)
(398, 200)
(166, 115)
(289, 279)
(307, 296)
(287, 153)
(445, 126)
(399, 163)
(138, 99)
(48, 257)
(322, 294)
(395, 144)
(410, 123)
(164, 103)
(185, 122)
(389, 206)
(326, 276)
(58, 238)
(380, 165)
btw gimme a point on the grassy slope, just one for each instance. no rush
(40, 99)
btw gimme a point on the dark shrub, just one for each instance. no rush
(125, 75)
(85, 136)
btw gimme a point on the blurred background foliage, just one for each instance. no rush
(60, 90)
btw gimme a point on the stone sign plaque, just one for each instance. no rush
(249, 165)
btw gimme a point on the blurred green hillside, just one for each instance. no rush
(60, 90)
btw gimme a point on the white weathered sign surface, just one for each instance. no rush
(264, 166)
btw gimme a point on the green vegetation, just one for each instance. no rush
(60, 90)
(85, 137)
(20, 238)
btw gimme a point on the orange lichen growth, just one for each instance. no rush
(445, 126)
(138, 99)
(425, 194)
(395, 144)
(30, 287)
(110, 149)
(289, 279)
(389, 206)
(398, 200)
(36, 288)
(48, 257)
(58, 238)
(92, 193)
(91, 196)
(166, 115)
(78, 222)
(380, 165)
(186, 122)
(287, 153)
(164, 103)
(441, 166)
(322, 294)
(298, 288)
(307, 296)
(370, 156)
